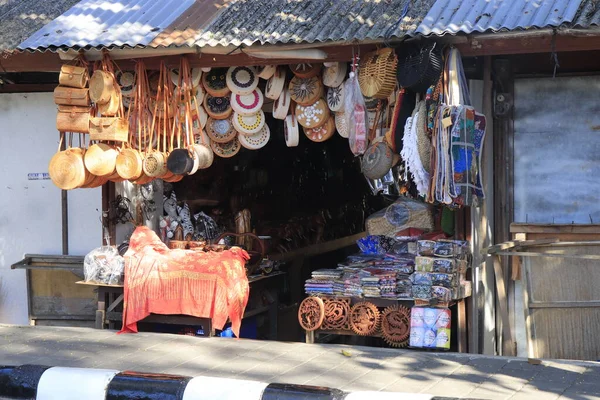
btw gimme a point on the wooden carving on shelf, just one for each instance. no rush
(337, 314)
(311, 313)
(364, 318)
(395, 325)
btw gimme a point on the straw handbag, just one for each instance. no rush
(155, 161)
(66, 168)
(421, 68)
(111, 128)
(101, 159)
(111, 108)
(377, 74)
(73, 119)
(68, 96)
(73, 76)
(102, 86)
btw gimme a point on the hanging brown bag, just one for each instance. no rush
(66, 168)
(155, 161)
(110, 108)
(73, 76)
(68, 96)
(73, 119)
(109, 129)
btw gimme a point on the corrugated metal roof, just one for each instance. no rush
(468, 16)
(588, 14)
(21, 18)
(296, 21)
(107, 23)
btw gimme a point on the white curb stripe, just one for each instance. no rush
(60, 383)
(387, 396)
(208, 388)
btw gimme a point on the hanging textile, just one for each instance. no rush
(163, 281)
(458, 133)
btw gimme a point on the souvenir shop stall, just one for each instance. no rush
(337, 179)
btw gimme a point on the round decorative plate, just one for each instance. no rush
(337, 314)
(126, 80)
(281, 106)
(215, 82)
(217, 107)
(334, 75)
(395, 325)
(364, 318)
(226, 150)
(266, 71)
(196, 76)
(248, 124)
(247, 104)
(256, 141)
(306, 70)
(341, 124)
(242, 80)
(311, 313)
(220, 130)
(335, 98)
(312, 116)
(275, 84)
(321, 133)
(291, 130)
(305, 91)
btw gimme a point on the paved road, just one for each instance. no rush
(446, 374)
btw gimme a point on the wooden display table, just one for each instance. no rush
(110, 301)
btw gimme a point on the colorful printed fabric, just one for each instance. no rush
(163, 281)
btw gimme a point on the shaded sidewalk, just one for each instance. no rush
(442, 374)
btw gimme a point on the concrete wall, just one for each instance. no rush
(30, 210)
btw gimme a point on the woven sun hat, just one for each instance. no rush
(248, 124)
(226, 150)
(334, 75)
(291, 131)
(306, 70)
(305, 91)
(377, 160)
(218, 107)
(322, 133)
(247, 104)
(215, 82)
(256, 141)
(341, 124)
(220, 130)
(266, 71)
(275, 84)
(312, 116)
(335, 97)
(377, 73)
(242, 80)
(281, 106)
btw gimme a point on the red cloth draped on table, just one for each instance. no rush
(163, 281)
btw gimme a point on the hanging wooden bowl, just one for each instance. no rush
(101, 159)
(130, 164)
(67, 169)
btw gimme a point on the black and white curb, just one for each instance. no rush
(35, 382)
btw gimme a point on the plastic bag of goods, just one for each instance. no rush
(104, 265)
(402, 214)
(356, 116)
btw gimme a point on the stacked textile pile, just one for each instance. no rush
(322, 282)
(440, 270)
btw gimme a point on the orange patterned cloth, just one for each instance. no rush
(163, 281)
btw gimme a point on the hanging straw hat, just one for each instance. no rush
(335, 74)
(305, 91)
(247, 104)
(226, 150)
(215, 82)
(312, 116)
(335, 97)
(322, 133)
(248, 124)
(220, 131)
(242, 80)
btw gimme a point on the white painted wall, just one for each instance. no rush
(30, 210)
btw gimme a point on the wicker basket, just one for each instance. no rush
(377, 76)
(402, 214)
(421, 68)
